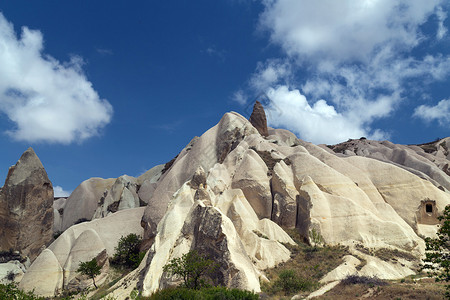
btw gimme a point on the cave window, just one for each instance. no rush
(428, 208)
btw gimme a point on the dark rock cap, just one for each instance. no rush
(258, 119)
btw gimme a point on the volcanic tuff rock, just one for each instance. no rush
(26, 207)
(229, 190)
(258, 119)
(97, 197)
(429, 161)
(55, 268)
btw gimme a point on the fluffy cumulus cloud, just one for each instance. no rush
(344, 30)
(60, 192)
(48, 101)
(317, 123)
(360, 58)
(439, 112)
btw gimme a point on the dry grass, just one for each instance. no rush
(423, 289)
(309, 263)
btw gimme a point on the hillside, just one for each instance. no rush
(234, 193)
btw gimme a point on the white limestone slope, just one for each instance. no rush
(252, 182)
(55, 268)
(229, 192)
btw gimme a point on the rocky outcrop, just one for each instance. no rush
(224, 228)
(229, 191)
(84, 201)
(211, 148)
(258, 119)
(122, 195)
(26, 207)
(430, 161)
(55, 268)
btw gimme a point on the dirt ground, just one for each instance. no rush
(410, 289)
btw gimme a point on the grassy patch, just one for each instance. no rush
(386, 254)
(203, 294)
(356, 279)
(11, 291)
(305, 268)
(424, 289)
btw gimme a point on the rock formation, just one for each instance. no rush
(97, 198)
(55, 268)
(258, 119)
(26, 207)
(230, 192)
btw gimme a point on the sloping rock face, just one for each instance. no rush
(254, 182)
(430, 161)
(55, 268)
(26, 207)
(97, 198)
(229, 193)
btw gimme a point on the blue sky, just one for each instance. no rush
(105, 88)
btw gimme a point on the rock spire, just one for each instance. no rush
(258, 119)
(26, 207)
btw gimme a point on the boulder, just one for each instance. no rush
(122, 195)
(84, 201)
(26, 207)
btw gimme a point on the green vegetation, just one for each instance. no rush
(90, 268)
(316, 238)
(289, 282)
(11, 291)
(356, 279)
(210, 293)
(308, 264)
(437, 260)
(127, 252)
(191, 267)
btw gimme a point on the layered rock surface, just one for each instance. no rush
(253, 180)
(55, 268)
(26, 207)
(230, 192)
(97, 198)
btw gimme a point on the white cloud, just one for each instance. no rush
(47, 100)
(439, 112)
(358, 56)
(442, 30)
(240, 97)
(270, 73)
(344, 30)
(317, 123)
(60, 192)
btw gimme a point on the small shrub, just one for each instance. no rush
(11, 276)
(211, 293)
(366, 280)
(127, 252)
(90, 268)
(290, 283)
(57, 234)
(191, 267)
(81, 220)
(11, 291)
(315, 238)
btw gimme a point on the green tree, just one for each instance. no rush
(191, 267)
(437, 260)
(127, 251)
(90, 268)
